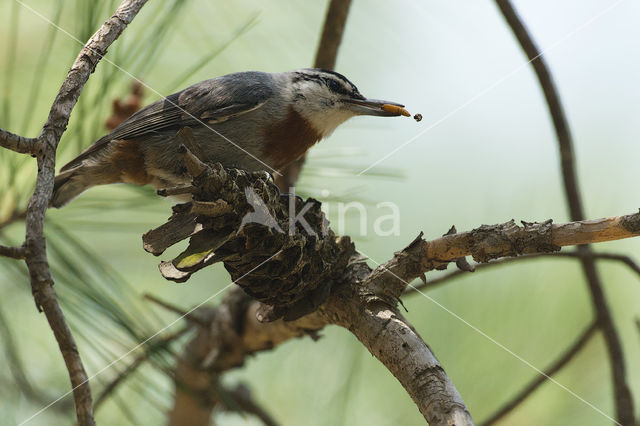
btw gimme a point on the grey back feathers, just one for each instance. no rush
(204, 101)
(229, 117)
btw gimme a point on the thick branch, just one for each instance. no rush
(492, 242)
(393, 340)
(310, 274)
(44, 148)
(623, 399)
(235, 333)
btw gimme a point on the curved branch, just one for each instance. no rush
(235, 334)
(44, 148)
(392, 339)
(313, 278)
(623, 398)
(560, 124)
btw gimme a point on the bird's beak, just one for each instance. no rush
(376, 107)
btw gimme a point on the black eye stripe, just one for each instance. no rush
(335, 86)
(334, 81)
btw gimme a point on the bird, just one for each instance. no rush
(249, 120)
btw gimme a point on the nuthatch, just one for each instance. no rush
(249, 120)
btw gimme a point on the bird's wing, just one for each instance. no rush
(208, 102)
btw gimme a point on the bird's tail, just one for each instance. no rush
(85, 171)
(67, 186)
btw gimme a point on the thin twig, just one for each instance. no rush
(623, 398)
(242, 401)
(189, 316)
(552, 369)
(559, 255)
(17, 143)
(326, 56)
(13, 252)
(15, 216)
(44, 148)
(149, 350)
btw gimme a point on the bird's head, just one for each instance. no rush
(327, 99)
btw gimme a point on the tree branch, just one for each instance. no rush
(326, 55)
(623, 398)
(193, 317)
(233, 334)
(292, 274)
(12, 252)
(16, 143)
(313, 278)
(491, 242)
(111, 387)
(15, 216)
(392, 339)
(240, 400)
(558, 255)
(556, 366)
(332, 31)
(44, 148)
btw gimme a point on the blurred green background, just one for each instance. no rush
(492, 158)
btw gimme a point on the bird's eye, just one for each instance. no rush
(334, 86)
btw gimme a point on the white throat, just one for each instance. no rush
(325, 122)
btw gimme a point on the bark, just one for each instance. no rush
(623, 399)
(626, 260)
(44, 149)
(303, 282)
(16, 143)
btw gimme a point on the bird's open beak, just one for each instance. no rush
(377, 107)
